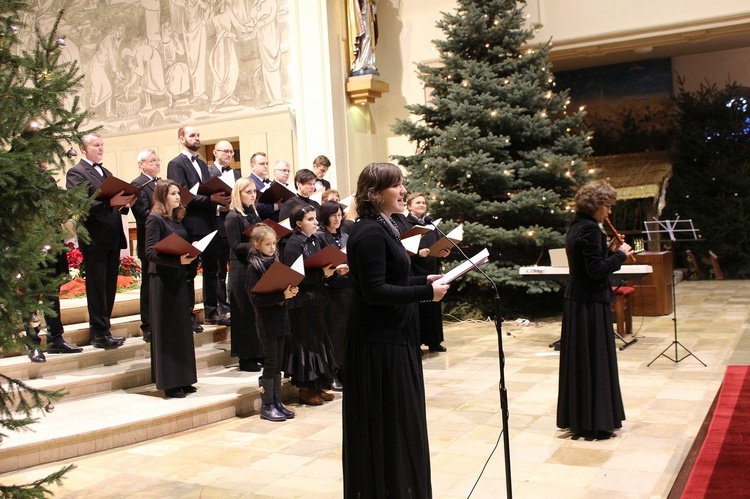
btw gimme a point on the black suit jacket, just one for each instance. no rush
(265, 210)
(214, 171)
(104, 222)
(200, 218)
(590, 261)
(141, 210)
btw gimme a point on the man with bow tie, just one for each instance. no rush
(101, 254)
(259, 175)
(223, 156)
(187, 169)
(150, 166)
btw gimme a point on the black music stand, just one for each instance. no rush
(678, 231)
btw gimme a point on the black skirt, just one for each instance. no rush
(310, 362)
(385, 449)
(589, 397)
(245, 341)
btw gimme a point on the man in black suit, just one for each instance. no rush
(187, 169)
(259, 175)
(150, 166)
(101, 254)
(223, 155)
(320, 167)
(281, 171)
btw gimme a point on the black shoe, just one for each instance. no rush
(106, 342)
(249, 365)
(63, 347)
(218, 320)
(189, 389)
(118, 339)
(336, 385)
(35, 355)
(174, 393)
(438, 348)
(197, 328)
(147, 336)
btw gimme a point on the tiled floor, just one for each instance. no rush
(665, 405)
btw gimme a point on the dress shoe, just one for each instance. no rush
(218, 320)
(35, 355)
(325, 395)
(174, 393)
(438, 348)
(147, 336)
(307, 396)
(106, 342)
(249, 365)
(189, 389)
(64, 347)
(197, 328)
(336, 385)
(118, 339)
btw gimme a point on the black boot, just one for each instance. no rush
(276, 398)
(268, 410)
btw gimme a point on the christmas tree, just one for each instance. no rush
(36, 130)
(496, 149)
(711, 174)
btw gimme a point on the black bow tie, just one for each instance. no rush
(194, 158)
(98, 164)
(266, 181)
(225, 169)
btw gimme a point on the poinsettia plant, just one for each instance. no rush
(75, 262)
(129, 266)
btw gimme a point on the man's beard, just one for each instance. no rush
(193, 147)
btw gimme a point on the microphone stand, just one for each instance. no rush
(501, 358)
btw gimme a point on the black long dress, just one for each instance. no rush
(589, 398)
(311, 362)
(430, 313)
(338, 288)
(245, 341)
(173, 359)
(385, 447)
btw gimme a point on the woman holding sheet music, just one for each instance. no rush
(242, 216)
(430, 313)
(171, 323)
(589, 401)
(331, 216)
(385, 448)
(311, 362)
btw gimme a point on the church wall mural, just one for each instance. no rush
(161, 63)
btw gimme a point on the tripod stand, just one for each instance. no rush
(676, 343)
(671, 227)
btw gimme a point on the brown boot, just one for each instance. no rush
(307, 396)
(325, 395)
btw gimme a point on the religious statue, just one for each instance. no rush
(363, 35)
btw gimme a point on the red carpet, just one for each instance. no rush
(721, 467)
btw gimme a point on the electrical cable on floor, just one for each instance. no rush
(485, 464)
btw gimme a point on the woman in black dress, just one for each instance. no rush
(385, 447)
(242, 215)
(311, 363)
(430, 313)
(589, 401)
(331, 216)
(171, 323)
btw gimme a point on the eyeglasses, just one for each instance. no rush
(228, 151)
(286, 171)
(337, 216)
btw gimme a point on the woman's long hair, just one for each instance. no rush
(160, 201)
(236, 204)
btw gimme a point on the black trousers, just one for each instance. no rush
(101, 287)
(222, 254)
(210, 263)
(274, 350)
(145, 285)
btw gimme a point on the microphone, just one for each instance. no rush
(505, 412)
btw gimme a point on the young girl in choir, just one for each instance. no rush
(271, 322)
(311, 363)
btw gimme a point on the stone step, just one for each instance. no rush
(20, 367)
(123, 375)
(101, 422)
